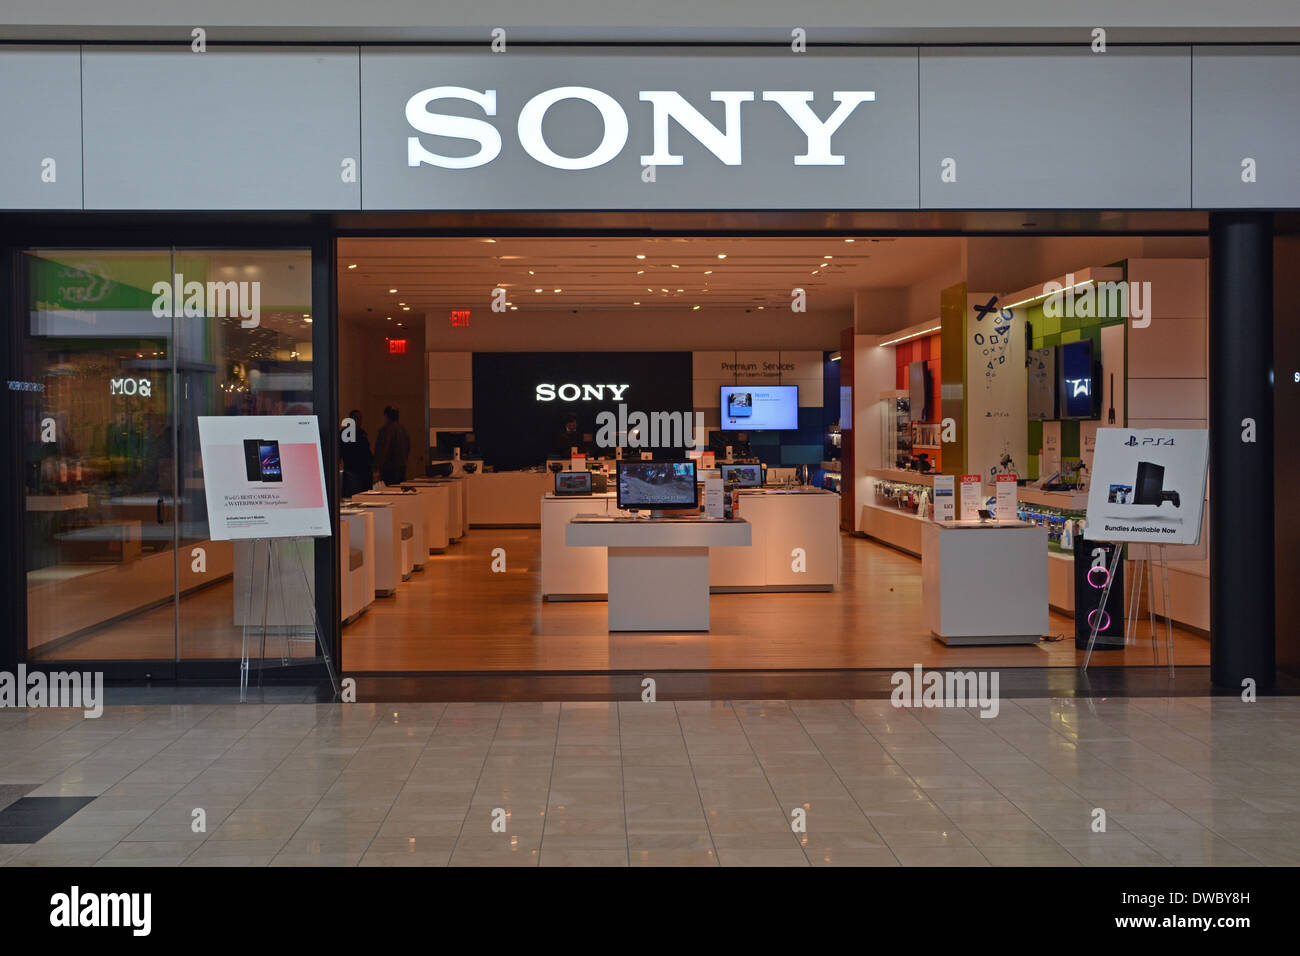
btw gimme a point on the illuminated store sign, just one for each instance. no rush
(569, 392)
(725, 143)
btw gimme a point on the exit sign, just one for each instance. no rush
(397, 346)
(460, 318)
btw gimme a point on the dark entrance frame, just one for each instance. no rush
(1236, 625)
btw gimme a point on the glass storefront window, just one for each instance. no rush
(119, 562)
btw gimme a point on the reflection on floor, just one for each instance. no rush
(207, 632)
(693, 783)
(459, 616)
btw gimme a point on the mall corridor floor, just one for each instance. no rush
(1181, 781)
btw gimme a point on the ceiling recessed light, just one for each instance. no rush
(722, 255)
(848, 240)
(640, 256)
(406, 308)
(391, 291)
(353, 266)
(559, 290)
(694, 307)
(673, 265)
(636, 303)
(708, 272)
(640, 272)
(389, 318)
(531, 272)
(308, 321)
(399, 325)
(537, 290)
(828, 257)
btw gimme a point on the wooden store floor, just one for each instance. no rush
(457, 615)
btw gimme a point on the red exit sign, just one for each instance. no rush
(460, 318)
(397, 346)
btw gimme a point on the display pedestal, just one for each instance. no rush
(984, 583)
(658, 568)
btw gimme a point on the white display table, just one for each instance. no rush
(436, 512)
(779, 521)
(410, 507)
(658, 569)
(984, 582)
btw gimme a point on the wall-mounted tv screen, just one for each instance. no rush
(757, 408)
(918, 391)
(1040, 371)
(1078, 385)
(656, 484)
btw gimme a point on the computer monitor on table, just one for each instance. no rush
(659, 486)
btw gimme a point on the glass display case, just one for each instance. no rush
(1064, 526)
(895, 430)
(903, 495)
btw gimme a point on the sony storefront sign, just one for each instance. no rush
(638, 128)
(725, 143)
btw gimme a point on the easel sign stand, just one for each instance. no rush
(278, 583)
(264, 482)
(1147, 488)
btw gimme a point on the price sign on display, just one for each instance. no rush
(972, 494)
(1006, 500)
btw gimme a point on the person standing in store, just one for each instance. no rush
(358, 461)
(392, 448)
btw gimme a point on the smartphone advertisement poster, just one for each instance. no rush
(263, 476)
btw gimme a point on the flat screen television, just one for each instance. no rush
(756, 408)
(1040, 371)
(657, 485)
(1078, 382)
(742, 476)
(918, 391)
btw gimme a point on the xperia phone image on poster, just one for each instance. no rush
(1148, 484)
(760, 407)
(262, 459)
(277, 491)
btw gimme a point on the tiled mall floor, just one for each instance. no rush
(1182, 781)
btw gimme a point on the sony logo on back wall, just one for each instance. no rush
(522, 399)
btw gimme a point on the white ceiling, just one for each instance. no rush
(433, 275)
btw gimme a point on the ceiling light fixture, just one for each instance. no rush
(722, 255)
(353, 266)
(912, 335)
(1038, 298)
(392, 291)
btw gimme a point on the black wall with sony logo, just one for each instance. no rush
(515, 430)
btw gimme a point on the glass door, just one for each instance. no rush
(99, 457)
(249, 354)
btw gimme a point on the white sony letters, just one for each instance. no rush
(666, 105)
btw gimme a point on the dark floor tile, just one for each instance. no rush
(10, 792)
(29, 819)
